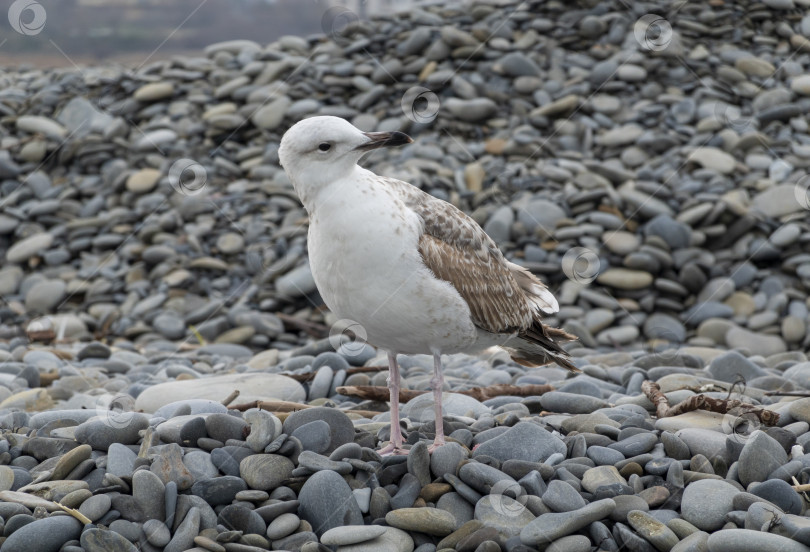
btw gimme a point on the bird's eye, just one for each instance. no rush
(324, 146)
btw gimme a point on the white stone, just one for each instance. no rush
(251, 387)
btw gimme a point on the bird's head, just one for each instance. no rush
(320, 150)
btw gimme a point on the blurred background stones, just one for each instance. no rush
(647, 162)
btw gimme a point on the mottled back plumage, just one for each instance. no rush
(504, 298)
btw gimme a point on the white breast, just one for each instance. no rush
(364, 258)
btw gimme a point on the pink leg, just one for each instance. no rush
(395, 446)
(437, 383)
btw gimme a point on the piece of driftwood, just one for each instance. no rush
(788, 393)
(230, 398)
(286, 407)
(47, 378)
(379, 393)
(312, 328)
(301, 378)
(701, 402)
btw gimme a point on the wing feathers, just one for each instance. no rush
(503, 297)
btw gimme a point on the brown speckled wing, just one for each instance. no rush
(458, 251)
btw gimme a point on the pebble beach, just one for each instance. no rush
(170, 379)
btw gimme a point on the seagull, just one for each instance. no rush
(416, 273)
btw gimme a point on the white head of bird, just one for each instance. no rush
(320, 150)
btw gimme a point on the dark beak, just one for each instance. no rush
(384, 140)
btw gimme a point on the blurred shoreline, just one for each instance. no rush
(132, 32)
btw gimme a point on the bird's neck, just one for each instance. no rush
(318, 191)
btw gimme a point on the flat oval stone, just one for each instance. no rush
(353, 534)
(431, 521)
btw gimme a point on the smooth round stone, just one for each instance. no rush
(148, 491)
(454, 404)
(252, 496)
(219, 490)
(183, 537)
(572, 543)
(101, 540)
(708, 442)
(618, 335)
(760, 456)
(282, 526)
(227, 459)
(157, 534)
(635, 444)
(316, 436)
(111, 427)
(746, 540)
(483, 477)
(419, 463)
(96, 506)
(780, 493)
(571, 403)
(271, 115)
(793, 328)
(341, 536)
(44, 535)
(729, 366)
(623, 278)
(707, 515)
(549, 527)
(251, 386)
(265, 472)
(459, 507)
(431, 521)
(601, 476)
(143, 180)
(393, 540)
(264, 427)
(154, 91)
(168, 466)
(224, 426)
(317, 462)
(199, 464)
(503, 513)
(169, 325)
(471, 111)
(765, 345)
(799, 410)
(661, 536)
(603, 456)
(29, 247)
(714, 159)
(326, 502)
(524, 441)
(561, 497)
(230, 243)
(182, 430)
(240, 518)
(319, 387)
(45, 296)
(625, 504)
(341, 427)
